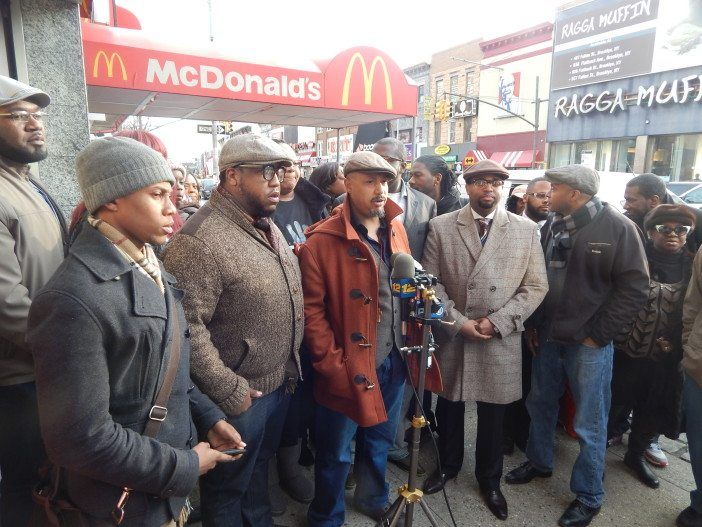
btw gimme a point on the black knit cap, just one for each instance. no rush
(662, 213)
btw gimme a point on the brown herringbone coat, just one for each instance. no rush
(505, 280)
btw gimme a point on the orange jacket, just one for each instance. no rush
(340, 284)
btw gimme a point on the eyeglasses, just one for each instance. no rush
(22, 116)
(482, 183)
(539, 195)
(679, 230)
(268, 171)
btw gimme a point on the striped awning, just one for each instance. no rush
(515, 158)
(473, 156)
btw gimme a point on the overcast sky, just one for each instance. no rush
(287, 32)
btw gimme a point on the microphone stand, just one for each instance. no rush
(409, 494)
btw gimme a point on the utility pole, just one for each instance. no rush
(214, 148)
(537, 104)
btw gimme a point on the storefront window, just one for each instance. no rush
(623, 155)
(607, 155)
(467, 125)
(560, 154)
(451, 132)
(675, 157)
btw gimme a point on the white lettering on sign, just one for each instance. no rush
(678, 91)
(619, 15)
(213, 78)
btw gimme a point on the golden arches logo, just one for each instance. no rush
(368, 78)
(109, 63)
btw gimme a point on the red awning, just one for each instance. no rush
(473, 156)
(515, 158)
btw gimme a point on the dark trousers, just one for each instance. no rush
(300, 417)
(517, 421)
(21, 452)
(236, 494)
(488, 443)
(632, 381)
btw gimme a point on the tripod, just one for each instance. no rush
(409, 494)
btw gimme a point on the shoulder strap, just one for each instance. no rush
(159, 410)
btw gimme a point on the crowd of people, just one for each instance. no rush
(156, 345)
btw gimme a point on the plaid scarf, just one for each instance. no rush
(144, 260)
(565, 227)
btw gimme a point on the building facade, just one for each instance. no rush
(515, 74)
(625, 95)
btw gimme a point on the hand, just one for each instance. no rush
(246, 403)
(664, 344)
(532, 341)
(486, 327)
(208, 457)
(470, 331)
(223, 436)
(588, 342)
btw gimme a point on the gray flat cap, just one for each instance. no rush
(253, 149)
(370, 163)
(579, 177)
(484, 168)
(13, 91)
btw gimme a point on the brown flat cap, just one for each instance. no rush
(679, 213)
(369, 162)
(484, 168)
(254, 149)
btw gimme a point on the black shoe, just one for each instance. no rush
(381, 514)
(306, 455)
(578, 515)
(689, 518)
(496, 502)
(524, 473)
(640, 468)
(404, 464)
(436, 481)
(350, 480)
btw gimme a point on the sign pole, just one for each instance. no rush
(537, 103)
(338, 152)
(214, 148)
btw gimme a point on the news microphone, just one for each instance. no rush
(402, 275)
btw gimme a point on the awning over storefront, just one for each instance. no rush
(515, 159)
(130, 74)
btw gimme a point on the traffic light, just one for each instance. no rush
(440, 113)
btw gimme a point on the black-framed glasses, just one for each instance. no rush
(539, 195)
(23, 116)
(679, 230)
(267, 171)
(482, 183)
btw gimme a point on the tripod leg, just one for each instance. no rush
(429, 514)
(392, 515)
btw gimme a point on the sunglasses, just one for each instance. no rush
(539, 195)
(679, 230)
(268, 171)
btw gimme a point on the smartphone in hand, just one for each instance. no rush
(234, 451)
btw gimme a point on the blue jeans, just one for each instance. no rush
(692, 401)
(21, 452)
(334, 434)
(589, 374)
(236, 494)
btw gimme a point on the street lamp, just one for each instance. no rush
(536, 102)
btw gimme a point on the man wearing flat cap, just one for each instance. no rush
(353, 334)
(598, 281)
(32, 246)
(491, 274)
(243, 302)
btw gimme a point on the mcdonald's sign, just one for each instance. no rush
(368, 79)
(109, 63)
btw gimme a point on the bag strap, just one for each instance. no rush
(159, 410)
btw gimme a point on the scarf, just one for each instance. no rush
(144, 260)
(565, 227)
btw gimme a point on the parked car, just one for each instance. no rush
(206, 186)
(690, 192)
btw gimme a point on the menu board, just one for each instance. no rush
(605, 40)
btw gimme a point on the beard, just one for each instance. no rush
(377, 213)
(22, 155)
(535, 213)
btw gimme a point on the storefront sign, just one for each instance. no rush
(678, 91)
(441, 150)
(508, 92)
(605, 40)
(450, 159)
(345, 145)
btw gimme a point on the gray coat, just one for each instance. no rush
(505, 281)
(99, 331)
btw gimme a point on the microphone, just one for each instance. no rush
(402, 275)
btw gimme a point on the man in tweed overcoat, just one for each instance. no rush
(492, 277)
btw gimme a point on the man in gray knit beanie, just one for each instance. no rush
(103, 332)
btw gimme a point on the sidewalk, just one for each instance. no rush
(539, 504)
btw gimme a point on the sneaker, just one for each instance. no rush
(655, 456)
